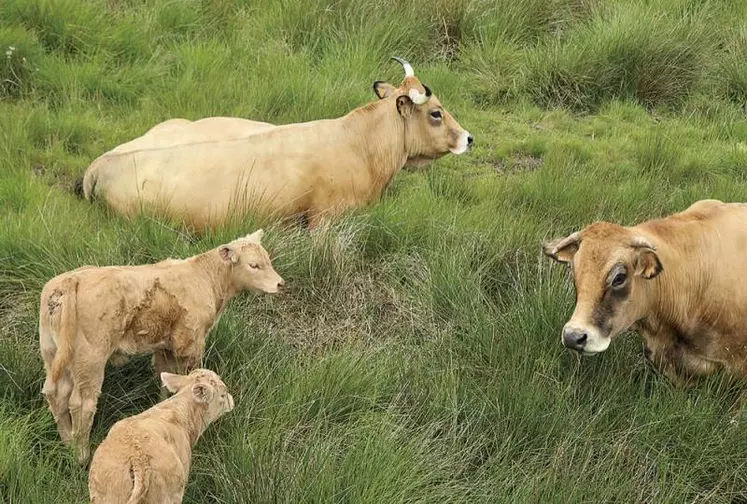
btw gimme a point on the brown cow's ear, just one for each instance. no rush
(405, 106)
(202, 392)
(563, 249)
(173, 382)
(383, 89)
(647, 264)
(228, 254)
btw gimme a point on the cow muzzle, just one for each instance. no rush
(575, 339)
(464, 143)
(584, 340)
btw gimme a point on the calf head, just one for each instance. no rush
(251, 268)
(612, 269)
(203, 387)
(430, 131)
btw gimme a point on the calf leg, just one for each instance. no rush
(56, 393)
(83, 401)
(58, 397)
(164, 361)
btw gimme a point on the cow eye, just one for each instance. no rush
(254, 265)
(436, 114)
(619, 279)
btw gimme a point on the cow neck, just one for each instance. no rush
(668, 302)
(182, 411)
(379, 133)
(219, 278)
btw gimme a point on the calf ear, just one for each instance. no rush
(383, 89)
(228, 254)
(405, 106)
(563, 249)
(202, 392)
(648, 264)
(255, 236)
(173, 382)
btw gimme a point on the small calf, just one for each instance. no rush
(146, 458)
(91, 314)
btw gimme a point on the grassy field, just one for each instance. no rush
(416, 355)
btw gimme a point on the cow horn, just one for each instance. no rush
(641, 242)
(409, 72)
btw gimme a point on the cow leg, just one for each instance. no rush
(83, 401)
(665, 360)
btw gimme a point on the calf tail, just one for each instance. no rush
(139, 483)
(66, 325)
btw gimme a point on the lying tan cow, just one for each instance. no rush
(312, 170)
(145, 459)
(678, 281)
(91, 314)
(183, 132)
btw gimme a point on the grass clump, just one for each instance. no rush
(640, 53)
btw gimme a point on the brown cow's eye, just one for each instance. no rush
(619, 279)
(436, 114)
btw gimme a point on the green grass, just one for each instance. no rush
(416, 354)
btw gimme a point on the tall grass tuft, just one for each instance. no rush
(636, 53)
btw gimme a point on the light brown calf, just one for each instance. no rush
(91, 314)
(145, 459)
(678, 281)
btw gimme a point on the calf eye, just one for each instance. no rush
(619, 279)
(254, 265)
(436, 114)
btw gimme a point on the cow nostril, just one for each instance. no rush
(470, 139)
(575, 339)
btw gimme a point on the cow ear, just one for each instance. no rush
(173, 382)
(563, 249)
(648, 264)
(202, 392)
(405, 106)
(383, 89)
(228, 254)
(255, 236)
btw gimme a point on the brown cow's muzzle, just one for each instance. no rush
(574, 338)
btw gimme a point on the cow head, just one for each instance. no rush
(612, 269)
(251, 268)
(430, 131)
(203, 387)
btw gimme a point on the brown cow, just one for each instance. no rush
(204, 172)
(676, 280)
(145, 458)
(91, 314)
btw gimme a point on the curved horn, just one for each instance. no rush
(409, 72)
